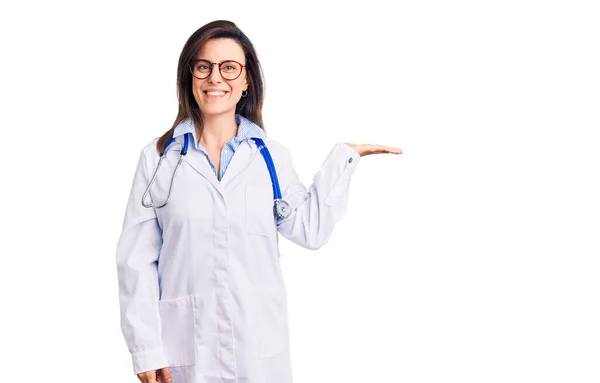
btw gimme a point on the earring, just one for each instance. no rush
(244, 95)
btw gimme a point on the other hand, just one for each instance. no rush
(159, 376)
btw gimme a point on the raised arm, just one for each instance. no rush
(316, 211)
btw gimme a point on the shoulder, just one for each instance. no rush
(277, 149)
(149, 156)
(149, 149)
(282, 159)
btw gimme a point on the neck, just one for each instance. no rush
(217, 130)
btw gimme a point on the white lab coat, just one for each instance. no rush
(200, 285)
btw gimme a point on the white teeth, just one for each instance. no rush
(215, 93)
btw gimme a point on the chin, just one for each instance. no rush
(217, 110)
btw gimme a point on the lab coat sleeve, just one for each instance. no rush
(316, 211)
(137, 258)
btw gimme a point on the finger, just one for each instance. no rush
(143, 377)
(166, 374)
(388, 149)
(151, 377)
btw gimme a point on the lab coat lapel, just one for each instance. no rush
(240, 160)
(197, 160)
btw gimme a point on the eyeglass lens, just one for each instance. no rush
(229, 69)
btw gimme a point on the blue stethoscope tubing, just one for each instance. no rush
(281, 209)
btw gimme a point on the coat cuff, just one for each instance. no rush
(347, 159)
(350, 156)
(147, 360)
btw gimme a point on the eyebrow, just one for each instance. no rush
(216, 61)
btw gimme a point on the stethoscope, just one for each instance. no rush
(281, 209)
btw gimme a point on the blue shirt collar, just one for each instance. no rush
(246, 129)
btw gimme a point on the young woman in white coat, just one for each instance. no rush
(200, 286)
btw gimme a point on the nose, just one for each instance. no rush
(215, 74)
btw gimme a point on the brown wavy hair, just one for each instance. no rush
(249, 106)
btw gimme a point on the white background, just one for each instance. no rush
(472, 257)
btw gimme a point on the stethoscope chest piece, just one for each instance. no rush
(281, 209)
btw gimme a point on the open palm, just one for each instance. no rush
(366, 149)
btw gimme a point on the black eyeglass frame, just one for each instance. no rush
(193, 63)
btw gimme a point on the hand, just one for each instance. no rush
(366, 149)
(159, 376)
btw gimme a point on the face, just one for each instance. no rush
(216, 51)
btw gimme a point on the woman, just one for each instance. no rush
(200, 287)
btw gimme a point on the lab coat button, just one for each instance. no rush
(350, 160)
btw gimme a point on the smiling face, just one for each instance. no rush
(216, 51)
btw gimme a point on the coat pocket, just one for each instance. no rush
(259, 210)
(177, 320)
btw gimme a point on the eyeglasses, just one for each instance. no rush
(229, 69)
